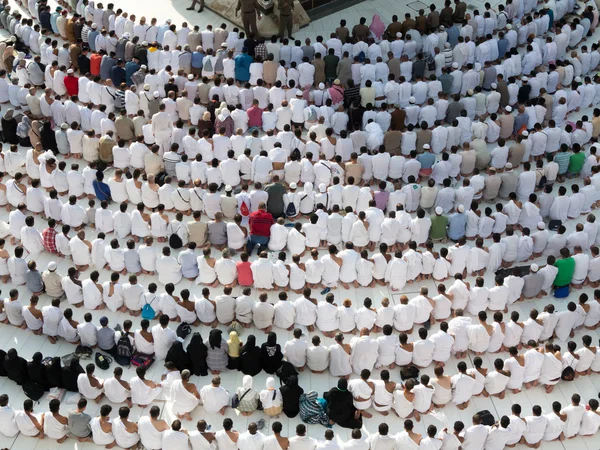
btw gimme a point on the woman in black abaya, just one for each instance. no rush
(250, 362)
(178, 356)
(340, 406)
(197, 353)
(70, 374)
(37, 371)
(291, 392)
(16, 367)
(48, 138)
(54, 373)
(271, 355)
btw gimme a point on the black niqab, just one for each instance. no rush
(197, 353)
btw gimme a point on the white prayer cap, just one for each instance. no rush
(509, 26)
(525, 133)
(455, 65)
(64, 126)
(524, 79)
(168, 20)
(51, 266)
(94, 26)
(442, 28)
(412, 100)
(190, 77)
(398, 34)
(321, 86)
(126, 35)
(146, 87)
(293, 185)
(470, 91)
(224, 45)
(447, 45)
(143, 67)
(298, 93)
(156, 94)
(541, 226)
(534, 268)
(70, 71)
(144, 44)
(228, 188)
(439, 210)
(426, 146)
(578, 79)
(322, 187)
(508, 166)
(508, 108)
(494, 85)
(477, 67)
(461, 208)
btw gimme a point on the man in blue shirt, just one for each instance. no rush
(457, 223)
(102, 190)
(117, 73)
(130, 68)
(242, 66)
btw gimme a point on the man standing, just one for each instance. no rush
(248, 8)
(286, 17)
(193, 5)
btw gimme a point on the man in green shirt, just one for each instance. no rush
(439, 224)
(566, 267)
(576, 160)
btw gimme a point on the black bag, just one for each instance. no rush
(124, 350)
(183, 330)
(33, 390)
(486, 418)
(83, 352)
(408, 372)
(175, 241)
(103, 361)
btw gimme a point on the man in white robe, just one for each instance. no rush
(262, 272)
(31, 239)
(163, 337)
(184, 395)
(295, 350)
(143, 392)
(90, 386)
(364, 352)
(215, 398)
(117, 390)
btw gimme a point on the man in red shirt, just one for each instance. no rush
(49, 237)
(95, 61)
(254, 116)
(71, 83)
(260, 228)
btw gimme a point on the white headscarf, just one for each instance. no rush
(247, 382)
(271, 396)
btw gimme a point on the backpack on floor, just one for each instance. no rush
(33, 390)
(486, 418)
(124, 350)
(103, 361)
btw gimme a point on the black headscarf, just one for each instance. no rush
(250, 360)
(70, 374)
(197, 353)
(340, 406)
(54, 373)
(215, 338)
(271, 355)
(16, 367)
(48, 137)
(2, 358)
(37, 371)
(291, 393)
(178, 356)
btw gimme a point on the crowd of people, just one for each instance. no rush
(440, 148)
